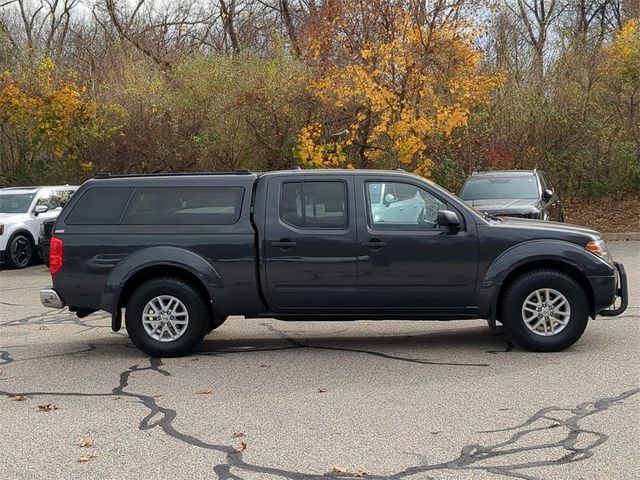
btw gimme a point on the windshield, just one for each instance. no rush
(15, 202)
(489, 187)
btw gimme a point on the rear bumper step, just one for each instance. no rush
(50, 298)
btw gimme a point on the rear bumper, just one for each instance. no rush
(621, 299)
(50, 298)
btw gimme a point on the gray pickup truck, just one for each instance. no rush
(180, 253)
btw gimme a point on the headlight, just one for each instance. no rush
(599, 247)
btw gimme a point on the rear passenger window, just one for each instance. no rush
(99, 206)
(184, 206)
(314, 204)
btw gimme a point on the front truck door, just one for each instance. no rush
(310, 243)
(407, 262)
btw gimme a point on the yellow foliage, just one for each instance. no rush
(50, 114)
(623, 60)
(402, 93)
(315, 155)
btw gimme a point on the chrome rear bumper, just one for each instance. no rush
(50, 298)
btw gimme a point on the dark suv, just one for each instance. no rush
(179, 253)
(513, 193)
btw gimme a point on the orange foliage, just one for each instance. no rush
(400, 80)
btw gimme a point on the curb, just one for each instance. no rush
(622, 237)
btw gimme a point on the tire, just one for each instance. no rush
(570, 306)
(177, 337)
(20, 251)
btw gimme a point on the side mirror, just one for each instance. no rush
(40, 209)
(449, 219)
(389, 199)
(547, 194)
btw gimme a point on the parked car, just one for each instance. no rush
(180, 253)
(22, 211)
(513, 193)
(44, 239)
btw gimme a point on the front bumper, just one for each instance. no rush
(50, 298)
(622, 294)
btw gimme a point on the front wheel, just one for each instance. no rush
(545, 310)
(20, 252)
(167, 317)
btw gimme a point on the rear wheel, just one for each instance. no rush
(167, 317)
(545, 310)
(20, 251)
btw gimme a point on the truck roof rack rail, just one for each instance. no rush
(171, 174)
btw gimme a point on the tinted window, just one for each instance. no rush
(499, 187)
(99, 206)
(402, 206)
(15, 202)
(64, 196)
(314, 204)
(54, 199)
(185, 206)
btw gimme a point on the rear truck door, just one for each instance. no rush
(406, 262)
(309, 243)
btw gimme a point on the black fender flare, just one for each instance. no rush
(157, 257)
(534, 251)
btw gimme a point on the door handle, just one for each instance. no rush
(285, 244)
(374, 244)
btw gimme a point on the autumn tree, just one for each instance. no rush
(44, 122)
(396, 77)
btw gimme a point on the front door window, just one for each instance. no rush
(394, 205)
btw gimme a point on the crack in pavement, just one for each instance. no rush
(473, 457)
(57, 317)
(296, 344)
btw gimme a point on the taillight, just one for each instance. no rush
(55, 255)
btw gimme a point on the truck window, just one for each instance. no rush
(184, 206)
(402, 206)
(319, 204)
(99, 206)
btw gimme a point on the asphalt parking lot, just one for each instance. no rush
(269, 399)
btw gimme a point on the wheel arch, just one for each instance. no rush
(560, 255)
(22, 231)
(155, 262)
(557, 265)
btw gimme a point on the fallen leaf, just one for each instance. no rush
(360, 473)
(195, 359)
(18, 398)
(322, 390)
(265, 365)
(340, 470)
(47, 407)
(43, 327)
(240, 433)
(85, 442)
(243, 446)
(86, 458)
(204, 391)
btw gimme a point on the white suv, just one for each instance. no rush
(22, 211)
